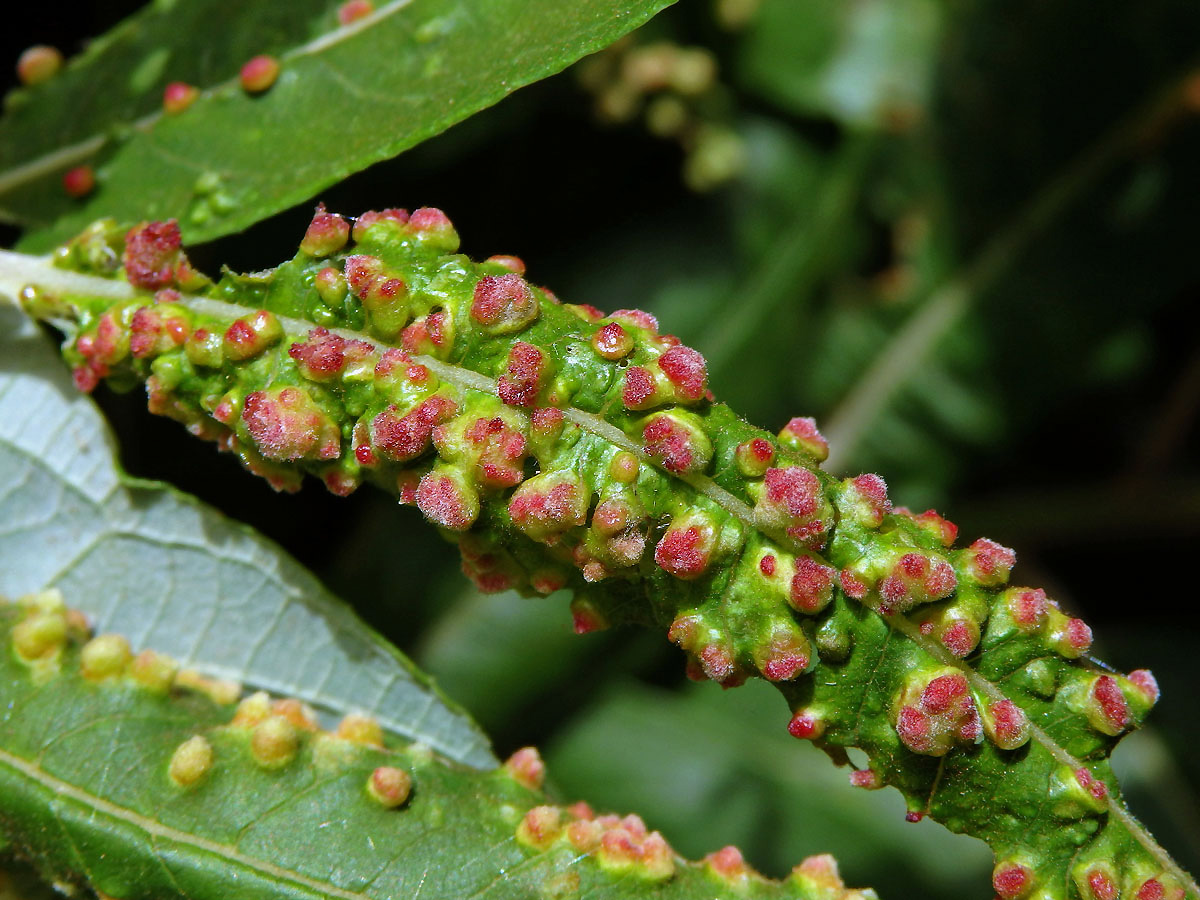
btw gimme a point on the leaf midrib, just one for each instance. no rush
(156, 829)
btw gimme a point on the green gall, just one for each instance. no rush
(40, 635)
(327, 233)
(154, 671)
(274, 742)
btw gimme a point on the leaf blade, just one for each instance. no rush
(403, 70)
(154, 563)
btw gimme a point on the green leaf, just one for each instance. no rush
(347, 97)
(652, 502)
(171, 573)
(114, 779)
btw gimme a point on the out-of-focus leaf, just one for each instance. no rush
(709, 767)
(867, 63)
(346, 97)
(175, 575)
(119, 783)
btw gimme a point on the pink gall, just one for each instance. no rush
(1146, 684)
(432, 334)
(867, 779)
(811, 588)
(38, 64)
(527, 371)
(792, 501)
(1006, 725)
(353, 10)
(1106, 707)
(687, 548)
(806, 725)
(79, 181)
(540, 827)
(178, 96)
(503, 304)
(327, 233)
(259, 73)
(497, 447)
(251, 335)
(914, 579)
(395, 218)
(729, 865)
(1012, 880)
(433, 228)
(586, 617)
(677, 442)
(446, 499)
(285, 424)
(1098, 881)
(934, 715)
(687, 372)
(864, 499)
(402, 437)
(152, 254)
(783, 653)
(389, 786)
(801, 434)
(635, 317)
(514, 264)
(526, 768)
(989, 563)
(550, 504)
(754, 457)
(933, 524)
(612, 342)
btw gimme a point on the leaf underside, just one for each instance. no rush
(562, 447)
(154, 564)
(347, 96)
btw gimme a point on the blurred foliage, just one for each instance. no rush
(1036, 163)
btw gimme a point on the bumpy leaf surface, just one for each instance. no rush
(562, 447)
(171, 573)
(117, 776)
(346, 96)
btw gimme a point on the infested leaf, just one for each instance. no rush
(346, 96)
(560, 447)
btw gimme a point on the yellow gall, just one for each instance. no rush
(296, 712)
(218, 690)
(40, 635)
(190, 762)
(274, 742)
(353, 10)
(360, 729)
(38, 63)
(623, 467)
(153, 670)
(389, 786)
(526, 768)
(104, 657)
(49, 601)
(541, 827)
(259, 73)
(253, 710)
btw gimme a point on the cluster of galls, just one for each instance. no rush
(1095, 877)
(273, 731)
(623, 846)
(524, 427)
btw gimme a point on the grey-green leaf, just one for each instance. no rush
(347, 97)
(175, 575)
